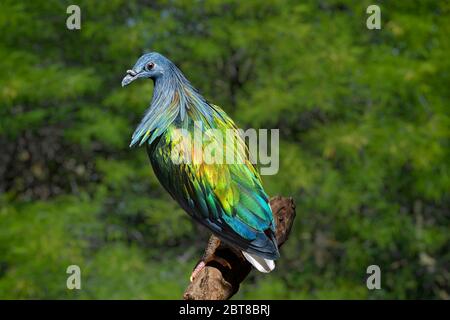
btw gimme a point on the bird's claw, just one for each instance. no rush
(223, 262)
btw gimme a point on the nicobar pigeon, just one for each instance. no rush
(228, 199)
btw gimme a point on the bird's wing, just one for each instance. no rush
(226, 198)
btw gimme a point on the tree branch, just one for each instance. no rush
(219, 282)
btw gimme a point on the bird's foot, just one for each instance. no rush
(199, 267)
(202, 264)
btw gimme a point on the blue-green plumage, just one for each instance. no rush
(226, 198)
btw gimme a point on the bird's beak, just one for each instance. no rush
(130, 77)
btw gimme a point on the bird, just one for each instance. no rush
(226, 198)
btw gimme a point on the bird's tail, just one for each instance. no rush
(261, 264)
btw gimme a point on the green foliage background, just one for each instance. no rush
(364, 122)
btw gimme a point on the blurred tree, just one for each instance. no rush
(364, 122)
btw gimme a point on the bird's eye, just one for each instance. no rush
(149, 66)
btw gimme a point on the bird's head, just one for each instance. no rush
(150, 65)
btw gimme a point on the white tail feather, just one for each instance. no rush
(261, 264)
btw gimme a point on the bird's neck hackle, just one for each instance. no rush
(173, 97)
(172, 87)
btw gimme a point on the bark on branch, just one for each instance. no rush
(219, 282)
